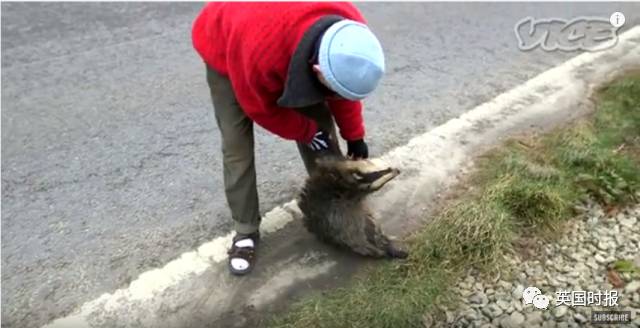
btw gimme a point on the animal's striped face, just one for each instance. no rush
(362, 175)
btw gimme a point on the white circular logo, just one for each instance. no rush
(617, 19)
(529, 294)
(541, 302)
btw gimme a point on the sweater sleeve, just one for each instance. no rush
(348, 116)
(260, 105)
(286, 123)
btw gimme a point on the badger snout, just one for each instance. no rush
(376, 179)
(373, 176)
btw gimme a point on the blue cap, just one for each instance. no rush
(351, 59)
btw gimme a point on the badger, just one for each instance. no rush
(332, 202)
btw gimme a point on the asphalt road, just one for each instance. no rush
(110, 154)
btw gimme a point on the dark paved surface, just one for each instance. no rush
(110, 153)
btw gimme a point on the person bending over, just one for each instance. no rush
(294, 69)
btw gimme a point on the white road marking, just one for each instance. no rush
(191, 263)
(433, 155)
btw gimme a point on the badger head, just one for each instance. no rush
(363, 175)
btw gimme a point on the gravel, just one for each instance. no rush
(576, 261)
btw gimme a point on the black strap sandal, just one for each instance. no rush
(242, 254)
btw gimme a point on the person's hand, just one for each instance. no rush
(357, 149)
(320, 141)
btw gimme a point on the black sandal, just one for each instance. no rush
(242, 254)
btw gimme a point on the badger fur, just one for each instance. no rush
(332, 203)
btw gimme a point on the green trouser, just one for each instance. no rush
(237, 150)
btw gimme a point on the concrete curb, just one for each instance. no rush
(196, 290)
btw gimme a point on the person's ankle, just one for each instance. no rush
(255, 236)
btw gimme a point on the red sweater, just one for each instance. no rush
(253, 43)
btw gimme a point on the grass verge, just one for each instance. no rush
(528, 185)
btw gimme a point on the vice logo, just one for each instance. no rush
(581, 33)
